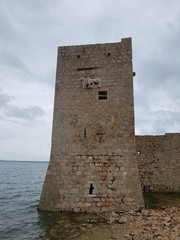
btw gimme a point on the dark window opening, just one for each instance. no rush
(102, 95)
(91, 188)
(78, 56)
(86, 68)
(84, 133)
(109, 54)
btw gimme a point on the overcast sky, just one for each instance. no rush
(31, 31)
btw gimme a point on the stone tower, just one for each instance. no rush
(93, 166)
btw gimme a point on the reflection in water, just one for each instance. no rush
(64, 226)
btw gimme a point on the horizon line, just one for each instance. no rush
(3, 160)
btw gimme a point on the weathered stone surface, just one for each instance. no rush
(149, 224)
(158, 159)
(156, 224)
(93, 164)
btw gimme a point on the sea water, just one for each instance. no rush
(20, 188)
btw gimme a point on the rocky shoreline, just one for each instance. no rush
(161, 224)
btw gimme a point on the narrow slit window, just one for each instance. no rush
(84, 133)
(91, 188)
(102, 95)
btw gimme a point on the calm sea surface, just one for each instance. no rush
(20, 189)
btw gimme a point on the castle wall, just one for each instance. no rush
(93, 164)
(158, 159)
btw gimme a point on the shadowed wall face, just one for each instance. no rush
(158, 160)
(93, 166)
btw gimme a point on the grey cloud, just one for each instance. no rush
(166, 121)
(157, 122)
(49, 78)
(11, 111)
(8, 27)
(29, 113)
(161, 59)
(159, 71)
(32, 30)
(8, 59)
(33, 5)
(4, 99)
(169, 118)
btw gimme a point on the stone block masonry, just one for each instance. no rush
(158, 159)
(93, 157)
